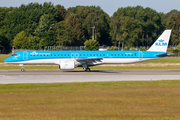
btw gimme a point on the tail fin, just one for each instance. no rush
(162, 42)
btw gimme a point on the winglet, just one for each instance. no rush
(162, 42)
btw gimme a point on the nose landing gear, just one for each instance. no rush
(22, 68)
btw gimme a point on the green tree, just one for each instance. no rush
(63, 33)
(143, 26)
(77, 34)
(45, 29)
(27, 18)
(33, 42)
(91, 45)
(20, 40)
(173, 22)
(42, 43)
(61, 12)
(89, 16)
(178, 47)
(112, 48)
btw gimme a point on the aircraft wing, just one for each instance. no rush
(86, 59)
(164, 54)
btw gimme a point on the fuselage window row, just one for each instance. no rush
(131, 54)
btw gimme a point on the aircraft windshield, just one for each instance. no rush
(14, 55)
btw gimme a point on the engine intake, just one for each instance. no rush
(67, 65)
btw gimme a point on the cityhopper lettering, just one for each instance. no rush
(161, 43)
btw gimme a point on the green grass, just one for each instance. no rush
(157, 100)
(3, 57)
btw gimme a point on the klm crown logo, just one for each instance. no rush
(161, 40)
(161, 43)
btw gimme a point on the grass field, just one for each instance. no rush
(157, 100)
(167, 63)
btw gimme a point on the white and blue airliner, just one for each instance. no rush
(68, 60)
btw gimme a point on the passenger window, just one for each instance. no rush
(41, 55)
(97, 54)
(118, 55)
(54, 54)
(68, 54)
(100, 54)
(122, 54)
(115, 55)
(103, 54)
(84, 54)
(61, 54)
(51, 54)
(37, 54)
(111, 54)
(128, 54)
(31, 55)
(44, 54)
(34, 54)
(90, 54)
(65, 55)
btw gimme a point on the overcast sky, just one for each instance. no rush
(109, 6)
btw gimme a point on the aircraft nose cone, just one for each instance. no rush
(7, 60)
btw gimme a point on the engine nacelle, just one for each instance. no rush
(67, 65)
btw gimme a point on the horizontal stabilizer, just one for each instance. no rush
(165, 54)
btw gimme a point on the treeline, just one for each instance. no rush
(35, 26)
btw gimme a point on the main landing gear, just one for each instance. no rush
(87, 69)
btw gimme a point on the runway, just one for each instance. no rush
(57, 76)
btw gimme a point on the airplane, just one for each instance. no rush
(68, 60)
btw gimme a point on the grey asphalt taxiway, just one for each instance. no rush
(57, 76)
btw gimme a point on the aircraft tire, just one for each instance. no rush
(22, 70)
(88, 70)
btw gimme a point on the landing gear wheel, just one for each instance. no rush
(22, 70)
(88, 70)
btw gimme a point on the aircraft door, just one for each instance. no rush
(25, 55)
(140, 55)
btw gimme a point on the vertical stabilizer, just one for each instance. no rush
(162, 42)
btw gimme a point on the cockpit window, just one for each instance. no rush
(14, 55)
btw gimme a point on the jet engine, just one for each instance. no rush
(67, 65)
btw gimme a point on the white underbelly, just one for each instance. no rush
(124, 60)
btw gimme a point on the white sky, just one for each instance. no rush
(109, 6)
